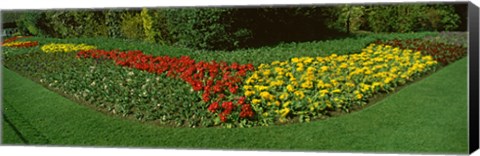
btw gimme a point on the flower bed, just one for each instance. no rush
(61, 47)
(216, 82)
(18, 44)
(181, 91)
(12, 42)
(441, 52)
(308, 87)
(14, 39)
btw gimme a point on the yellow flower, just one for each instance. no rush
(295, 60)
(349, 84)
(359, 96)
(290, 75)
(368, 72)
(324, 68)
(284, 96)
(266, 95)
(256, 101)
(260, 88)
(299, 94)
(266, 73)
(388, 80)
(276, 83)
(336, 91)
(334, 82)
(307, 85)
(250, 80)
(277, 103)
(299, 69)
(249, 93)
(285, 112)
(328, 85)
(323, 92)
(365, 88)
(310, 70)
(247, 87)
(431, 62)
(308, 60)
(290, 88)
(279, 70)
(320, 84)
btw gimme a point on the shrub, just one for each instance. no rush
(76, 23)
(28, 23)
(201, 28)
(113, 23)
(131, 26)
(412, 17)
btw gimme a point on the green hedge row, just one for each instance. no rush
(233, 28)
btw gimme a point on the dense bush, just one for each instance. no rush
(232, 28)
(131, 26)
(28, 23)
(113, 23)
(394, 18)
(201, 28)
(75, 23)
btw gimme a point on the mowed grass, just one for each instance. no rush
(429, 116)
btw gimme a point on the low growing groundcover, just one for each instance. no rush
(182, 91)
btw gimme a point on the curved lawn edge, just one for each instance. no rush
(429, 116)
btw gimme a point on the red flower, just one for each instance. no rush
(213, 107)
(221, 96)
(206, 97)
(233, 89)
(228, 107)
(223, 117)
(241, 100)
(217, 88)
(197, 86)
(246, 111)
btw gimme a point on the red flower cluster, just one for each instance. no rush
(213, 79)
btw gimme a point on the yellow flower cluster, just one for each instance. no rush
(60, 47)
(309, 86)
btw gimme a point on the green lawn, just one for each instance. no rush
(429, 116)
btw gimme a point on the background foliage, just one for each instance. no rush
(395, 18)
(233, 28)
